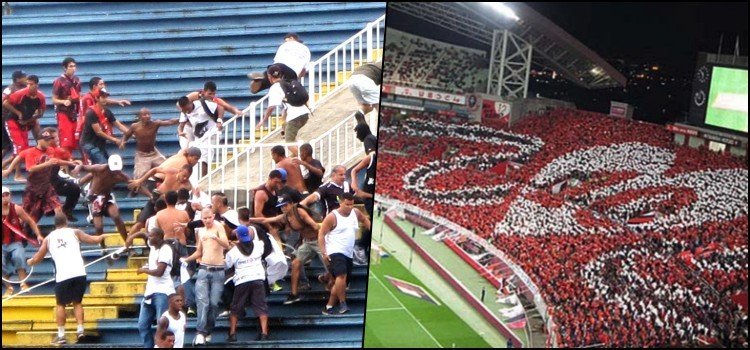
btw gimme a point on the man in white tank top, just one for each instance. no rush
(173, 320)
(336, 240)
(70, 275)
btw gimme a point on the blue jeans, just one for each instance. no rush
(208, 288)
(189, 287)
(13, 255)
(96, 155)
(150, 313)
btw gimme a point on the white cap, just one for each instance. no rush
(6, 190)
(115, 162)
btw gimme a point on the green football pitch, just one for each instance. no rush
(395, 319)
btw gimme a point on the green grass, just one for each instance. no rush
(394, 319)
(727, 80)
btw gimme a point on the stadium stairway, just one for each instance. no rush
(136, 48)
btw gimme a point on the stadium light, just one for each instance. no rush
(502, 9)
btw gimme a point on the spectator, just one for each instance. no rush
(66, 91)
(98, 129)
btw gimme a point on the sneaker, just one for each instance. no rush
(232, 338)
(80, 337)
(224, 314)
(360, 257)
(199, 339)
(8, 292)
(208, 338)
(291, 299)
(59, 341)
(190, 312)
(262, 337)
(328, 311)
(276, 287)
(343, 309)
(304, 287)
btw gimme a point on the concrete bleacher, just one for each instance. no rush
(151, 54)
(430, 64)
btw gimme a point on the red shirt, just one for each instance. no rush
(33, 156)
(23, 101)
(11, 219)
(65, 87)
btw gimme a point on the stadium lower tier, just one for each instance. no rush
(632, 241)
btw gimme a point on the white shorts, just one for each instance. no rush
(364, 89)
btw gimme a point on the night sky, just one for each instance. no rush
(669, 35)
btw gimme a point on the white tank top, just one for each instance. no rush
(66, 253)
(341, 239)
(247, 268)
(177, 327)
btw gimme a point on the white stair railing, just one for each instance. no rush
(239, 133)
(241, 173)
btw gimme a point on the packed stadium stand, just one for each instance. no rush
(632, 241)
(415, 61)
(151, 54)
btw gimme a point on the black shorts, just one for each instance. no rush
(70, 290)
(340, 265)
(255, 293)
(148, 211)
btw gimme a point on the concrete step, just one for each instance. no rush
(48, 313)
(42, 338)
(126, 275)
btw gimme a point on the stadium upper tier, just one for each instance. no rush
(634, 242)
(553, 47)
(415, 61)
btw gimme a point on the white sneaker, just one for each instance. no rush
(224, 314)
(208, 338)
(199, 340)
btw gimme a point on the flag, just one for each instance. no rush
(516, 319)
(411, 289)
(512, 312)
(518, 324)
(509, 300)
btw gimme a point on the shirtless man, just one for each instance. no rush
(171, 220)
(294, 174)
(147, 156)
(211, 243)
(173, 174)
(298, 219)
(101, 201)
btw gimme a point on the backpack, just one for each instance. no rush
(177, 253)
(295, 94)
(200, 129)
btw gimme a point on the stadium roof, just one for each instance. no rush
(553, 47)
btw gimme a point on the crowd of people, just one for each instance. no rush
(606, 278)
(204, 256)
(422, 63)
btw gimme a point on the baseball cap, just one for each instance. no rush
(283, 173)
(47, 134)
(115, 162)
(243, 234)
(103, 92)
(6, 190)
(283, 200)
